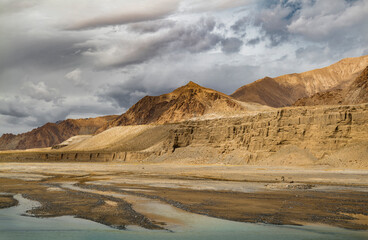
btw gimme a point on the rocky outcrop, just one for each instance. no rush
(53, 133)
(355, 93)
(285, 90)
(291, 136)
(191, 100)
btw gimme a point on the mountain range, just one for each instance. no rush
(355, 93)
(344, 82)
(53, 133)
(285, 90)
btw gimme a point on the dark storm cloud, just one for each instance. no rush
(12, 109)
(181, 38)
(193, 38)
(124, 94)
(125, 16)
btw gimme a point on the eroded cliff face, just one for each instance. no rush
(294, 136)
(285, 90)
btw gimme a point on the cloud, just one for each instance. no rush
(10, 6)
(40, 91)
(231, 45)
(312, 53)
(325, 19)
(240, 26)
(151, 26)
(193, 38)
(76, 77)
(122, 95)
(310, 20)
(12, 108)
(133, 14)
(43, 50)
(274, 17)
(254, 41)
(213, 5)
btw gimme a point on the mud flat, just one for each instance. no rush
(121, 195)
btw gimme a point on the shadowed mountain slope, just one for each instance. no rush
(52, 133)
(285, 90)
(356, 93)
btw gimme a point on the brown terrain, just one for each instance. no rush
(189, 101)
(355, 93)
(327, 135)
(52, 133)
(285, 90)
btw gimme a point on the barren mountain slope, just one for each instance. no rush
(123, 138)
(53, 133)
(285, 90)
(183, 103)
(356, 93)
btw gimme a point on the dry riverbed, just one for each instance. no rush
(163, 196)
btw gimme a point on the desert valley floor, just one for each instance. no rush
(122, 195)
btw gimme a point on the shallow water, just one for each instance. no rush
(14, 226)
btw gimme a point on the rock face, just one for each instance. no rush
(355, 93)
(285, 90)
(191, 100)
(52, 133)
(289, 136)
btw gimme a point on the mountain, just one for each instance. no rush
(285, 90)
(355, 93)
(52, 133)
(186, 102)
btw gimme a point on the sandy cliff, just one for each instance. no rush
(285, 90)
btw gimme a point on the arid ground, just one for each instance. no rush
(120, 195)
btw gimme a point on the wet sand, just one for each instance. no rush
(121, 195)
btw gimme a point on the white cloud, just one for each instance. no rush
(76, 77)
(328, 18)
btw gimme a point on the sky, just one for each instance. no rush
(64, 59)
